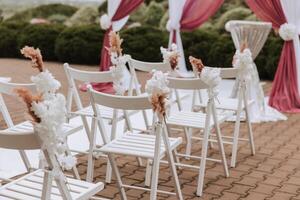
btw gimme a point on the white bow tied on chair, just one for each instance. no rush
(288, 32)
(211, 76)
(244, 62)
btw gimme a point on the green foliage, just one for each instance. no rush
(8, 45)
(43, 11)
(139, 14)
(85, 15)
(102, 8)
(57, 18)
(143, 43)
(1, 17)
(163, 21)
(40, 36)
(154, 13)
(238, 13)
(80, 44)
(14, 25)
(150, 1)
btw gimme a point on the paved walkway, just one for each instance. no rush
(273, 173)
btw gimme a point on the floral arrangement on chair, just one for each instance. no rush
(197, 65)
(244, 61)
(158, 91)
(47, 109)
(172, 56)
(119, 62)
(209, 75)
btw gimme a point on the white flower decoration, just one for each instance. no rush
(211, 76)
(105, 22)
(244, 62)
(45, 82)
(288, 31)
(52, 112)
(158, 84)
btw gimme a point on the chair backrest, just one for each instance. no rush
(8, 88)
(19, 140)
(149, 66)
(229, 73)
(120, 102)
(84, 76)
(144, 67)
(253, 32)
(186, 83)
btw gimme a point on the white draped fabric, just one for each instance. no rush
(255, 35)
(112, 6)
(291, 9)
(175, 13)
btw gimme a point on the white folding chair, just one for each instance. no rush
(42, 184)
(198, 120)
(113, 115)
(136, 144)
(237, 105)
(8, 88)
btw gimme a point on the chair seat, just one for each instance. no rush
(194, 119)
(29, 187)
(228, 104)
(105, 112)
(138, 144)
(26, 126)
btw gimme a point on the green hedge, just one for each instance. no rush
(43, 11)
(41, 36)
(80, 45)
(8, 44)
(143, 43)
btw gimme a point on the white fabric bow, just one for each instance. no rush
(105, 22)
(288, 31)
(172, 26)
(211, 76)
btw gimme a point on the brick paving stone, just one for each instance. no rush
(264, 189)
(273, 173)
(255, 196)
(281, 196)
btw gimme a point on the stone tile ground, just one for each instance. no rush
(273, 173)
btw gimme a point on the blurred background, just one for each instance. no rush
(69, 31)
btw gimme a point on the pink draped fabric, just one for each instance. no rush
(284, 95)
(124, 9)
(195, 13)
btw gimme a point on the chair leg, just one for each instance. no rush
(204, 150)
(116, 171)
(203, 163)
(188, 150)
(154, 178)
(170, 156)
(236, 132)
(220, 143)
(25, 160)
(90, 167)
(148, 173)
(250, 132)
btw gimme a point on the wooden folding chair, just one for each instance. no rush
(42, 184)
(136, 144)
(8, 88)
(202, 121)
